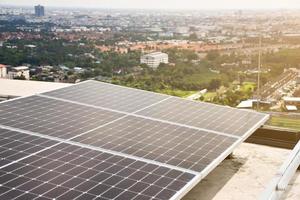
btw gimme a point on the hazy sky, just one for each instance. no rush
(163, 4)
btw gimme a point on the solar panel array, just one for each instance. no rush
(166, 143)
(15, 145)
(203, 115)
(100, 141)
(53, 117)
(108, 96)
(65, 171)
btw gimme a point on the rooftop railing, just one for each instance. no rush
(279, 184)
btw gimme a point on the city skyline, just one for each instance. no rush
(166, 4)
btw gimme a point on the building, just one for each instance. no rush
(298, 80)
(154, 59)
(39, 11)
(20, 88)
(3, 71)
(253, 103)
(246, 62)
(21, 72)
(291, 108)
(291, 101)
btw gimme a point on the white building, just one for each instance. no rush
(18, 72)
(3, 71)
(154, 59)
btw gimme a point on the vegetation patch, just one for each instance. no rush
(285, 122)
(178, 93)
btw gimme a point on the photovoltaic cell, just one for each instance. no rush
(197, 114)
(15, 145)
(108, 96)
(204, 115)
(113, 142)
(71, 172)
(52, 117)
(166, 143)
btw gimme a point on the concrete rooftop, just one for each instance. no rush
(245, 176)
(25, 88)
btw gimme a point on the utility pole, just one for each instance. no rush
(258, 72)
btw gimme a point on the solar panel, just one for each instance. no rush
(205, 116)
(15, 145)
(52, 117)
(66, 171)
(108, 96)
(145, 145)
(166, 143)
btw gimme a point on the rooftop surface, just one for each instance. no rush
(25, 88)
(291, 99)
(156, 54)
(245, 176)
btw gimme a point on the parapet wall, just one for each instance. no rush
(276, 137)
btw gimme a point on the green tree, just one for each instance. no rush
(214, 84)
(193, 37)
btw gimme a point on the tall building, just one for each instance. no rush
(154, 59)
(39, 11)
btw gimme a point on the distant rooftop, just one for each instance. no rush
(156, 54)
(291, 108)
(249, 103)
(25, 88)
(246, 104)
(294, 99)
(20, 68)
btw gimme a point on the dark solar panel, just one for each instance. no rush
(206, 116)
(15, 146)
(113, 142)
(166, 143)
(70, 172)
(52, 117)
(197, 114)
(108, 96)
